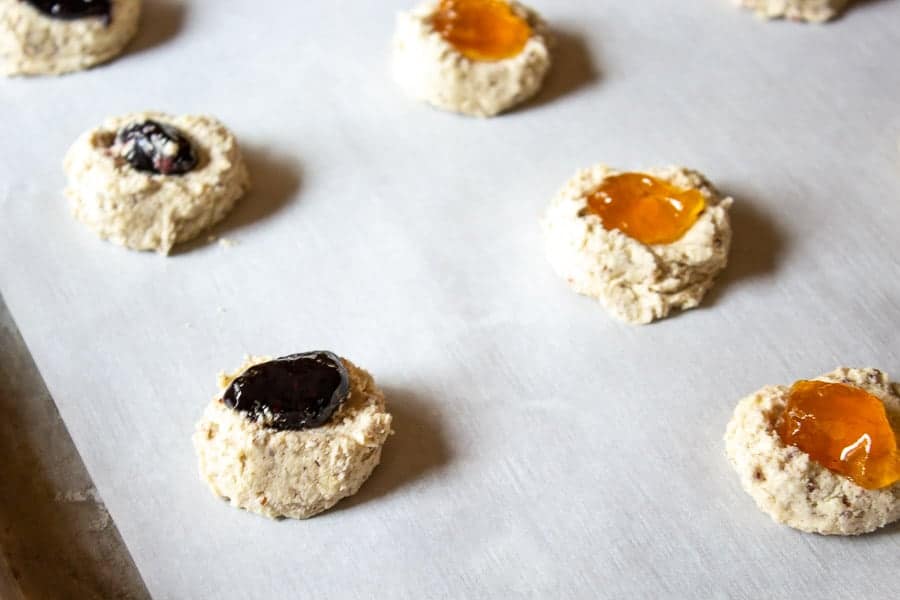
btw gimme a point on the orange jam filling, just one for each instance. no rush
(843, 428)
(648, 209)
(481, 29)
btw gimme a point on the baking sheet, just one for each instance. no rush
(542, 449)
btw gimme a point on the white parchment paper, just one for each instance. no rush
(542, 449)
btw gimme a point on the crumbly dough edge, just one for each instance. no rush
(795, 490)
(635, 282)
(294, 474)
(812, 11)
(430, 69)
(146, 211)
(32, 43)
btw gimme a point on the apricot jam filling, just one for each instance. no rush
(645, 208)
(483, 30)
(843, 428)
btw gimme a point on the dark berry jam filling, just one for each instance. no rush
(73, 9)
(156, 148)
(299, 391)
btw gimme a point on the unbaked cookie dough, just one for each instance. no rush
(636, 282)
(816, 11)
(791, 487)
(259, 461)
(430, 68)
(34, 43)
(147, 209)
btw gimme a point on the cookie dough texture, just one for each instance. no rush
(32, 43)
(792, 488)
(429, 68)
(637, 283)
(816, 11)
(148, 211)
(293, 474)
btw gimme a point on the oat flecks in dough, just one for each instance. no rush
(293, 474)
(31, 43)
(815, 11)
(148, 211)
(637, 283)
(428, 68)
(795, 490)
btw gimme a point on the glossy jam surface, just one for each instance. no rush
(299, 391)
(73, 9)
(156, 148)
(843, 428)
(648, 209)
(486, 30)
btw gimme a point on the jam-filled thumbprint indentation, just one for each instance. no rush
(299, 391)
(73, 9)
(156, 148)
(481, 30)
(843, 428)
(646, 208)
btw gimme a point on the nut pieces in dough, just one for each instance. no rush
(429, 68)
(815, 11)
(32, 43)
(149, 211)
(637, 283)
(792, 488)
(292, 473)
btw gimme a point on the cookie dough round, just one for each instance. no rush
(288, 473)
(792, 488)
(815, 11)
(637, 283)
(429, 68)
(149, 211)
(33, 43)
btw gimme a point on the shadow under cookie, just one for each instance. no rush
(275, 181)
(758, 247)
(417, 448)
(574, 67)
(161, 21)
